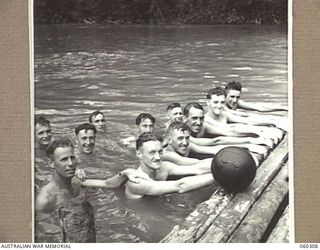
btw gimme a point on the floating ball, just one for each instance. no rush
(233, 168)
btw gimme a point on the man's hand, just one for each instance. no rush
(261, 150)
(80, 174)
(133, 175)
(262, 141)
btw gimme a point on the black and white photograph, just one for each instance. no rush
(162, 121)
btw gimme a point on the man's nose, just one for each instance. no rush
(184, 142)
(157, 156)
(100, 122)
(70, 162)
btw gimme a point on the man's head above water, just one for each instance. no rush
(42, 131)
(62, 155)
(233, 92)
(194, 117)
(216, 101)
(149, 151)
(86, 135)
(178, 136)
(97, 118)
(145, 123)
(174, 112)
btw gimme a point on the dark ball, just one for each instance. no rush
(233, 168)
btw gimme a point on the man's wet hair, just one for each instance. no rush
(234, 86)
(216, 91)
(39, 119)
(173, 105)
(58, 143)
(85, 126)
(177, 126)
(141, 117)
(95, 113)
(190, 105)
(145, 137)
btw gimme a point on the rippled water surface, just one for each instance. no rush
(126, 70)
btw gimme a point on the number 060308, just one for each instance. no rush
(308, 245)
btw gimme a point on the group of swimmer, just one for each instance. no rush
(193, 136)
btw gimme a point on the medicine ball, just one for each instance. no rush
(233, 168)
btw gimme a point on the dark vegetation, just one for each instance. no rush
(161, 11)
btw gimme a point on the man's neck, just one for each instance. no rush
(214, 116)
(149, 171)
(171, 149)
(40, 147)
(62, 182)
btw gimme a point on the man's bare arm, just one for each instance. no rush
(194, 182)
(229, 130)
(150, 187)
(202, 167)
(266, 107)
(178, 159)
(116, 181)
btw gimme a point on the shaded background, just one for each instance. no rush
(15, 149)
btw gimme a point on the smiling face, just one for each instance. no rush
(175, 114)
(150, 155)
(194, 120)
(86, 139)
(65, 161)
(232, 98)
(99, 122)
(216, 104)
(179, 141)
(145, 126)
(42, 134)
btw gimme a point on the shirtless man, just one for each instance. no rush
(194, 119)
(233, 102)
(174, 113)
(86, 136)
(233, 92)
(42, 132)
(179, 146)
(217, 117)
(145, 124)
(98, 120)
(149, 151)
(63, 186)
(181, 150)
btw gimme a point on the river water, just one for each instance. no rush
(127, 70)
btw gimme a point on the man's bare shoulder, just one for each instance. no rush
(47, 197)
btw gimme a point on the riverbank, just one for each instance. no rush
(177, 12)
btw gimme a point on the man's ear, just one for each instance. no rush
(138, 154)
(168, 116)
(51, 162)
(208, 102)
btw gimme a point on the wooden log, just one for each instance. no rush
(254, 225)
(280, 233)
(200, 219)
(231, 216)
(196, 224)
